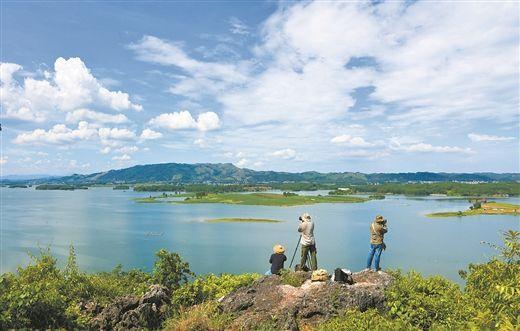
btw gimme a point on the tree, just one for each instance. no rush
(170, 270)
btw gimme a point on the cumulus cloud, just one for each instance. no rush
(116, 134)
(485, 137)
(94, 116)
(423, 148)
(149, 134)
(58, 134)
(124, 157)
(349, 140)
(183, 120)
(285, 153)
(69, 87)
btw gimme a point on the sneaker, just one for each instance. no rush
(366, 269)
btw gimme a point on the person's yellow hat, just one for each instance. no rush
(278, 249)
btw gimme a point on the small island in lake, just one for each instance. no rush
(270, 199)
(121, 187)
(486, 208)
(241, 220)
(253, 199)
(64, 187)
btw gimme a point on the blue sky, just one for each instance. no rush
(292, 86)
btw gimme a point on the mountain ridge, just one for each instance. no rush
(227, 173)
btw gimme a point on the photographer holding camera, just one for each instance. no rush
(306, 227)
(378, 229)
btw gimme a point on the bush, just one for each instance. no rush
(170, 270)
(210, 287)
(493, 288)
(205, 316)
(370, 320)
(292, 278)
(426, 302)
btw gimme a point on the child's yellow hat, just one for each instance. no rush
(279, 249)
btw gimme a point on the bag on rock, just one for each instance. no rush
(320, 275)
(343, 276)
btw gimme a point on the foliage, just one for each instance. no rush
(170, 270)
(272, 199)
(121, 187)
(493, 288)
(448, 188)
(370, 320)
(210, 287)
(205, 316)
(291, 278)
(61, 187)
(426, 302)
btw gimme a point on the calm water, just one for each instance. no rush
(107, 227)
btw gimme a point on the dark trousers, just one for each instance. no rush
(313, 261)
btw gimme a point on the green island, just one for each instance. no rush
(241, 220)
(18, 186)
(43, 295)
(61, 187)
(271, 199)
(488, 208)
(121, 187)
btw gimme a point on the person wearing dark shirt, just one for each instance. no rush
(277, 259)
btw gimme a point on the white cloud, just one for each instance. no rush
(183, 120)
(70, 87)
(105, 150)
(124, 157)
(423, 148)
(485, 137)
(238, 27)
(127, 149)
(58, 134)
(116, 134)
(242, 163)
(149, 134)
(93, 116)
(3, 159)
(285, 153)
(349, 140)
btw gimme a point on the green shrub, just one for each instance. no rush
(292, 278)
(493, 288)
(205, 316)
(170, 270)
(210, 287)
(370, 320)
(426, 302)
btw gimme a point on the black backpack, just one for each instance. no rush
(343, 277)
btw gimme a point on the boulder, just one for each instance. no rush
(132, 313)
(269, 301)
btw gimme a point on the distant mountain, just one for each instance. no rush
(228, 173)
(27, 177)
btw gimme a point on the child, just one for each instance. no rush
(277, 259)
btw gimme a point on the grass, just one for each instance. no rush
(242, 220)
(271, 199)
(161, 198)
(489, 208)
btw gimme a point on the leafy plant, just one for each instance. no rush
(170, 270)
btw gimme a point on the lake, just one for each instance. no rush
(107, 228)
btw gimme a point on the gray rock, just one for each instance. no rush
(131, 313)
(269, 301)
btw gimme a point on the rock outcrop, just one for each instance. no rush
(132, 313)
(268, 300)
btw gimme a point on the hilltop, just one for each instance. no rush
(227, 173)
